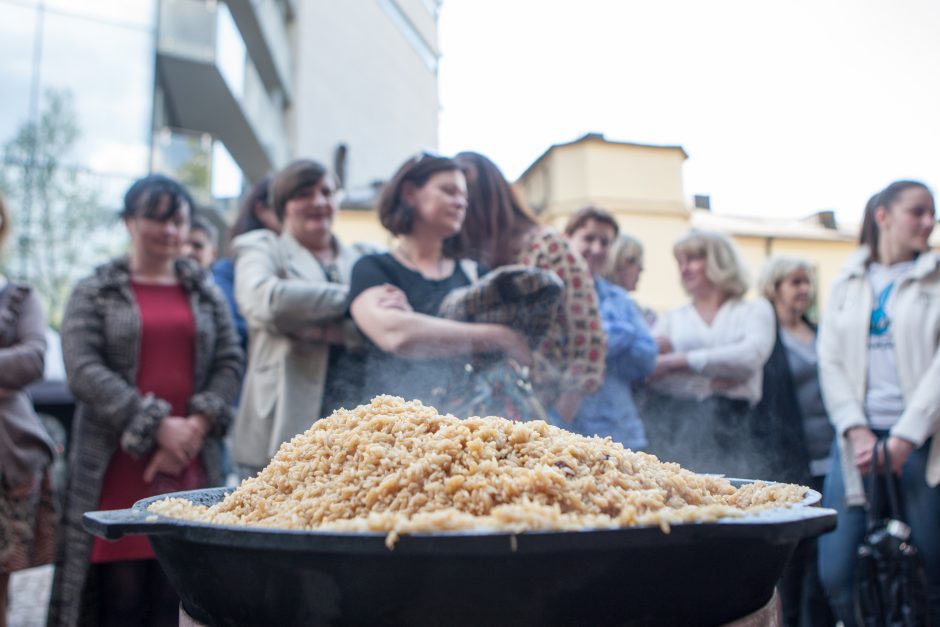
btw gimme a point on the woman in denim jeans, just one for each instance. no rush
(879, 360)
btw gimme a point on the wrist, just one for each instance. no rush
(489, 336)
(202, 423)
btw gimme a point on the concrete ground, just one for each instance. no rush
(29, 597)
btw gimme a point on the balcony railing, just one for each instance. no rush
(204, 31)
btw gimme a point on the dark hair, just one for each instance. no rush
(145, 196)
(291, 179)
(495, 214)
(395, 214)
(870, 233)
(585, 214)
(247, 220)
(199, 223)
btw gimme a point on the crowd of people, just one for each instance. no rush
(187, 368)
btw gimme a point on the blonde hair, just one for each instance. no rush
(723, 264)
(625, 250)
(779, 267)
(4, 222)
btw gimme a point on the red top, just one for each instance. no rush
(165, 369)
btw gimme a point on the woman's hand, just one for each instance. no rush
(723, 385)
(863, 441)
(515, 346)
(181, 437)
(202, 424)
(163, 462)
(669, 363)
(326, 332)
(392, 297)
(664, 345)
(23, 491)
(899, 449)
(568, 405)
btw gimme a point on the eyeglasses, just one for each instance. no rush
(421, 155)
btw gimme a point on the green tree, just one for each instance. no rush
(57, 214)
(196, 172)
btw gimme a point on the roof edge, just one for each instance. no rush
(597, 137)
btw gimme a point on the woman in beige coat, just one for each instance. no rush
(291, 289)
(879, 367)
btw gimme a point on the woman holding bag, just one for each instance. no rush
(879, 366)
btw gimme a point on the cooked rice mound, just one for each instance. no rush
(400, 467)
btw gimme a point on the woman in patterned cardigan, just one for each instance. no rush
(500, 230)
(154, 362)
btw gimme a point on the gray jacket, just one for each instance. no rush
(25, 447)
(100, 345)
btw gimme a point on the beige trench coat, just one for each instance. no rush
(282, 291)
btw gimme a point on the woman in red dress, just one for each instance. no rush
(154, 361)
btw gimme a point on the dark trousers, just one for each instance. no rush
(801, 593)
(920, 506)
(135, 592)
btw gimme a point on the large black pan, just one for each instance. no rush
(697, 574)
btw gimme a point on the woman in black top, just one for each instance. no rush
(394, 297)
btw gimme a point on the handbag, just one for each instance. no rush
(501, 389)
(522, 298)
(890, 584)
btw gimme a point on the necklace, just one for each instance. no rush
(438, 270)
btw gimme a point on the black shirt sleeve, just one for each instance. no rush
(368, 272)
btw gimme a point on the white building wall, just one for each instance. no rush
(364, 80)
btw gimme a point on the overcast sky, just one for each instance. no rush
(784, 108)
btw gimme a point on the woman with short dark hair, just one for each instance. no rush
(292, 287)
(395, 297)
(154, 363)
(631, 351)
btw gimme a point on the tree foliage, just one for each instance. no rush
(57, 213)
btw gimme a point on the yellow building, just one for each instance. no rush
(641, 185)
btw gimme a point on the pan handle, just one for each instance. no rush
(117, 523)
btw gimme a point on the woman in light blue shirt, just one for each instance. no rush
(631, 350)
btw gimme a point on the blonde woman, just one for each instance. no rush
(711, 354)
(624, 266)
(793, 423)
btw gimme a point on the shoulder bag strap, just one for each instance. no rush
(894, 508)
(874, 492)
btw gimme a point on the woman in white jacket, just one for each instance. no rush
(879, 363)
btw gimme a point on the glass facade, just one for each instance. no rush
(94, 60)
(17, 54)
(84, 113)
(99, 57)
